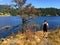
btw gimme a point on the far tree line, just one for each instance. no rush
(30, 10)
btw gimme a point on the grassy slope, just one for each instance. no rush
(31, 38)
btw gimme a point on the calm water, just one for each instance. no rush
(9, 21)
(54, 22)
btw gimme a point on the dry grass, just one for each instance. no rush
(54, 37)
(32, 38)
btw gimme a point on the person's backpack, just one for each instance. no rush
(45, 26)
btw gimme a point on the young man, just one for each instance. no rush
(45, 26)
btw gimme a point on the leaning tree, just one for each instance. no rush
(30, 10)
(19, 4)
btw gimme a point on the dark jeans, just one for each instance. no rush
(45, 29)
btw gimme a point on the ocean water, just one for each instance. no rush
(53, 21)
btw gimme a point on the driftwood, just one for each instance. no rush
(5, 27)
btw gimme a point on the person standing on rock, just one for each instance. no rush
(45, 26)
